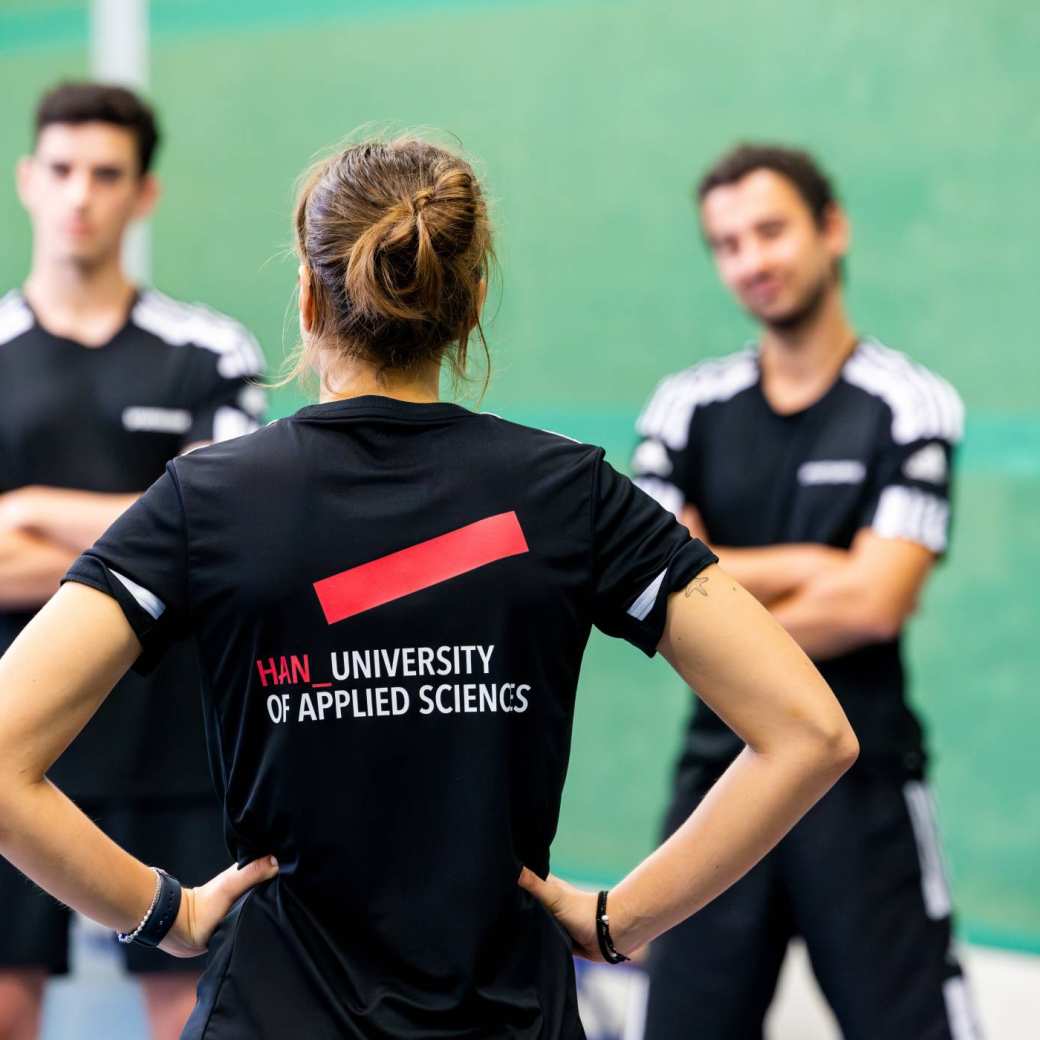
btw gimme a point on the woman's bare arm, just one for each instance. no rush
(52, 679)
(749, 671)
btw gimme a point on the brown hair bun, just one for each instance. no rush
(397, 239)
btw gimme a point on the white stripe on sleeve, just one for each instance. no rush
(148, 601)
(647, 598)
(915, 515)
(662, 492)
(231, 422)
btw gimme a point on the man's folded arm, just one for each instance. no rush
(30, 569)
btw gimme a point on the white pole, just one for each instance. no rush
(119, 54)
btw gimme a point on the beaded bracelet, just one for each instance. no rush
(129, 937)
(156, 924)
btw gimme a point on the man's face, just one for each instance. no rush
(82, 188)
(769, 251)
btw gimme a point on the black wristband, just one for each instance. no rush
(161, 919)
(606, 944)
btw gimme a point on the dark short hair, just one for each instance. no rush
(83, 102)
(797, 166)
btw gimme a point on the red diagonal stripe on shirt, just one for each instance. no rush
(419, 566)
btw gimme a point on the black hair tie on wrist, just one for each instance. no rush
(606, 944)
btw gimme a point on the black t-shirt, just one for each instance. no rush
(875, 451)
(391, 602)
(108, 419)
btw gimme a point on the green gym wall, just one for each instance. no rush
(590, 121)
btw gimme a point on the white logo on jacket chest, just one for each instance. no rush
(832, 471)
(156, 420)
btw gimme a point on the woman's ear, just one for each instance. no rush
(306, 300)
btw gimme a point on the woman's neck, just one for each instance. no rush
(355, 377)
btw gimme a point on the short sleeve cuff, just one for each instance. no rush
(649, 610)
(143, 610)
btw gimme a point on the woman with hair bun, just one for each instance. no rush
(390, 597)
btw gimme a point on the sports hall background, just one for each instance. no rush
(591, 121)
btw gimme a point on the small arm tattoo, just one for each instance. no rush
(697, 585)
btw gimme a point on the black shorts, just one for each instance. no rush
(861, 880)
(184, 837)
